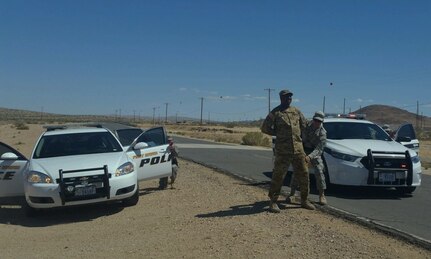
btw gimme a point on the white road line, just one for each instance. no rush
(220, 146)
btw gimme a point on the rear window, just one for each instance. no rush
(76, 144)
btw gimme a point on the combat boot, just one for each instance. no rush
(322, 198)
(273, 207)
(291, 198)
(307, 205)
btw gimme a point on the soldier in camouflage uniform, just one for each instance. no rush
(314, 141)
(286, 123)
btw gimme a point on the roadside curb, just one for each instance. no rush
(363, 221)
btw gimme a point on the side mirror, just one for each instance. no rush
(9, 156)
(404, 139)
(140, 145)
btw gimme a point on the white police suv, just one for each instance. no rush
(360, 153)
(82, 165)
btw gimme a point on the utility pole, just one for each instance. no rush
(154, 114)
(269, 98)
(202, 107)
(344, 106)
(417, 115)
(166, 115)
(324, 100)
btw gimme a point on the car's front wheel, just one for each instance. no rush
(132, 200)
(30, 211)
(405, 190)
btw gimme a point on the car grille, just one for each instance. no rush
(388, 168)
(75, 187)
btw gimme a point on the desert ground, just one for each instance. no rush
(208, 214)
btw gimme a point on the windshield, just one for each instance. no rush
(76, 144)
(354, 130)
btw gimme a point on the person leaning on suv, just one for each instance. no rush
(286, 123)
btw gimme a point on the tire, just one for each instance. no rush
(132, 200)
(30, 211)
(163, 183)
(405, 190)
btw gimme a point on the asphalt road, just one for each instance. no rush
(408, 214)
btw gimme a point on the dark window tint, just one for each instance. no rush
(126, 136)
(153, 137)
(406, 130)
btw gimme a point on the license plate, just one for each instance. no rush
(84, 191)
(386, 177)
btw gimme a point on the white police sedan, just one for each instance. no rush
(83, 165)
(360, 153)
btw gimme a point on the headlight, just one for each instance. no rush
(416, 159)
(343, 156)
(126, 168)
(38, 177)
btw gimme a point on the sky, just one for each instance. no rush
(219, 60)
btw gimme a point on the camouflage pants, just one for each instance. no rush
(174, 173)
(300, 172)
(317, 164)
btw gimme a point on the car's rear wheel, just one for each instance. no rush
(405, 190)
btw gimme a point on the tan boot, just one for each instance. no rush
(291, 199)
(307, 205)
(273, 207)
(322, 198)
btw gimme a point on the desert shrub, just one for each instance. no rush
(255, 139)
(230, 125)
(21, 126)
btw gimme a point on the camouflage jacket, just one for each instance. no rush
(314, 140)
(286, 125)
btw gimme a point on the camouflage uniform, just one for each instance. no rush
(286, 124)
(174, 153)
(314, 141)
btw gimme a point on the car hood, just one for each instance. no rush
(359, 147)
(52, 165)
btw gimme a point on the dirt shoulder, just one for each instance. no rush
(208, 214)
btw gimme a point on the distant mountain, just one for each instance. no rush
(393, 116)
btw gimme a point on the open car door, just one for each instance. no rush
(12, 168)
(406, 135)
(151, 155)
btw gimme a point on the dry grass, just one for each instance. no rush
(214, 133)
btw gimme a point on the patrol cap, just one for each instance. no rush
(285, 92)
(319, 116)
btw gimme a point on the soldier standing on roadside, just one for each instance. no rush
(173, 149)
(286, 123)
(314, 141)
(174, 153)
